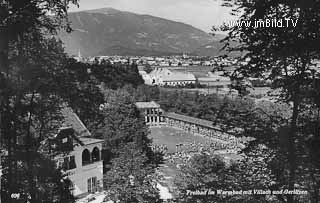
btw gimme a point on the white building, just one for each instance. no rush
(81, 159)
(151, 111)
(166, 77)
(79, 57)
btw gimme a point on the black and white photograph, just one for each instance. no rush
(160, 101)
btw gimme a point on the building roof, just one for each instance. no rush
(88, 140)
(142, 72)
(172, 75)
(146, 77)
(197, 121)
(72, 120)
(147, 105)
(198, 74)
(178, 76)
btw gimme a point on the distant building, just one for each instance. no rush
(146, 77)
(82, 158)
(207, 63)
(185, 56)
(151, 112)
(166, 77)
(79, 57)
(164, 64)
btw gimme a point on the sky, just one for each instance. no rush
(201, 14)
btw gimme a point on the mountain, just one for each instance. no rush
(214, 48)
(109, 31)
(210, 49)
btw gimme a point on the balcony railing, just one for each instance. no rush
(88, 162)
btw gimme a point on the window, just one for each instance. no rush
(69, 163)
(60, 163)
(64, 140)
(65, 164)
(72, 163)
(96, 154)
(86, 157)
(92, 185)
(89, 186)
(71, 187)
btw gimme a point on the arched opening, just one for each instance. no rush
(96, 154)
(85, 157)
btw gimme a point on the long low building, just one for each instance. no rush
(169, 77)
(197, 126)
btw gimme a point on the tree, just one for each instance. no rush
(128, 149)
(147, 93)
(49, 185)
(284, 55)
(86, 96)
(201, 174)
(148, 68)
(131, 178)
(117, 76)
(211, 174)
(123, 123)
(30, 115)
(29, 65)
(19, 17)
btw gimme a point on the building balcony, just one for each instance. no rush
(85, 163)
(88, 166)
(92, 165)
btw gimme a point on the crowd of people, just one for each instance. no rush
(185, 150)
(160, 148)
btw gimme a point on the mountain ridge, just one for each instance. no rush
(110, 10)
(109, 31)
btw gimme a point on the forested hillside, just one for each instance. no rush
(112, 32)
